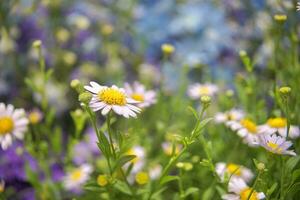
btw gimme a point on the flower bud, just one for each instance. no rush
(102, 180)
(142, 178)
(85, 97)
(180, 165)
(261, 166)
(280, 17)
(76, 84)
(205, 100)
(188, 166)
(167, 49)
(285, 90)
(37, 43)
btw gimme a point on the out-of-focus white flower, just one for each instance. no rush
(246, 129)
(298, 6)
(240, 191)
(76, 178)
(139, 161)
(2, 186)
(276, 144)
(13, 124)
(112, 98)
(139, 93)
(79, 21)
(195, 91)
(233, 171)
(231, 115)
(155, 172)
(279, 125)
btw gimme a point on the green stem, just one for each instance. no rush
(287, 113)
(110, 136)
(180, 184)
(94, 124)
(282, 178)
(254, 185)
(166, 170)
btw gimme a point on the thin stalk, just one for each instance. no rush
(110, 136)
(254, 185)
(282, 178)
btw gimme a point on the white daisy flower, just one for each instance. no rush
(233, 171)
(241, 191)
(246, 129)
(139, 93)
(111, 98)
(279, 125)
(298, 6)
(139, 161)
(77, 177)
(13, 124)
(231, 115)
(155, 172)
(168, 148)
(276, 144)
(195, 91)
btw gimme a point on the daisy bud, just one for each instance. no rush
(205, 100)
(85, 97)
(102, 180)
(188, 166)
(229, 93)
(260, 166)
(280, 17)
(167, 49)
(285, 90)
(37, 43)
(180, 165)
(242, 53)
(142, 178)
(75, 84)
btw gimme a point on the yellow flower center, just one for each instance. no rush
(112, 96)
(142, 178)
(249, 125)
(76, 175)
(102, 180)
(138, 97)
(6, 125)
(204, 90)
(234, 169)
(131, 152)
(275, 147)
(246, 192)
(277, 122)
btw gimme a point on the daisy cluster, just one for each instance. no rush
(272, 135)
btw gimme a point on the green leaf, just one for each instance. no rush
(293, 190)
(272, 189)
(296, 175)
(157, 193)
(123, 160)
(208, 194)
(122, 187)
(190, 191)
(167, 179)
(292, 162)
(194, 112)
